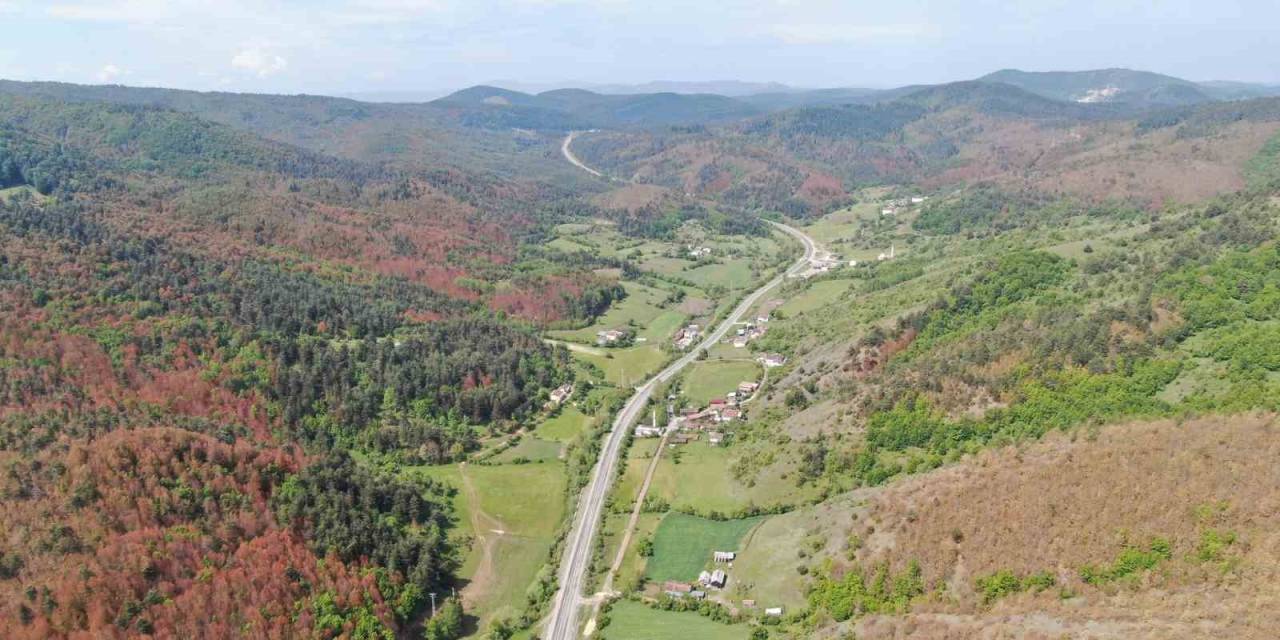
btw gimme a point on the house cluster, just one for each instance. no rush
(891, 207)
(687, 336)
(718, 411)
(750, 331)
(714, 579)
(820, 262)
(687, 425)
(610, 336)
(697, 252)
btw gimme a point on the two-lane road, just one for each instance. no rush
(567, 605)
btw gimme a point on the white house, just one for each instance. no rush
(561, 393)
(773, 359)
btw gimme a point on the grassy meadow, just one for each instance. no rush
(683, 544)
(634, 621)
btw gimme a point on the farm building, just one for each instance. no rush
(773, 612)
(609, 336)
(748, 604)
(716, 578)
(714, 438)
(724, 556)
(687, 336)
(730, 414)
(561, 393)
(773, 359)
(748, 387)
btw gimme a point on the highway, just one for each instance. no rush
(566, 608)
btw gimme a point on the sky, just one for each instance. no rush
(371, 46)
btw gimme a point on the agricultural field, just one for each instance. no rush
(638, 457)
(631, 572)
(765, 569)
(708, 379)
(634, 621)
(683, 544)
(564, 426)
(626, 367)
(815, 296)
(696, 477)
(642, 309)
(733, 274)
(530, 449)
(511, 513)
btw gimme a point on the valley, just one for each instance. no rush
(989, 358)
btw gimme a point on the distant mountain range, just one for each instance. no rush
(1141, 88)
(1075, 94)
(1094, 93)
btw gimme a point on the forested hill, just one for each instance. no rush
(809, 160)
(200, 329)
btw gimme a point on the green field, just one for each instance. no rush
(634, 621)
(639, 309)
(530, 448)
(815, 296)
(683, 544)
(511, 513)
(663, 326)
(627, 367)
(700, 481)
(564, 426)
(710, 379)
(632, 568)
(6, 194)
(731, 274)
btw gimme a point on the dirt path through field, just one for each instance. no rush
(487, 530)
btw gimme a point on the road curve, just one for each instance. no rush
(573, 160)
(562, 622)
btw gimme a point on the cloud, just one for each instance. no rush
(259, 61)
(109, 73)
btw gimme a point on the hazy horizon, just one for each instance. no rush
(433, 46)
